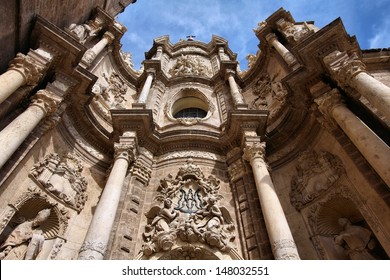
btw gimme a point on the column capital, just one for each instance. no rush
(328, 101)
(343, 67)
(254, 150)
(46, 100)
(151, 72)
(271, 37)
(109, 37)
(29, 68)
(126, 147)
(229, 73)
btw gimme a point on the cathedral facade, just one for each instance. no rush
(189, 157)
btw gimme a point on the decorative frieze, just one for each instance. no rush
(189, 65)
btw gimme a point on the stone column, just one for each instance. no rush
(282, 242)
(374, 150)
(351, 71)
(23, 70)
(12, 136)
(282, 50)
(99, 231)
(93, 52)
(148, 84)
(235, 92)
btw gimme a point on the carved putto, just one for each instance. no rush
(189, 211)
(189, 65)
(317, 172)
(294, 32)
(62, 177)
(115, 90)
(270, 94)
(86, 31)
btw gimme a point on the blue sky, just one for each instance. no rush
(234, 20)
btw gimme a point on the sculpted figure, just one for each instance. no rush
(26, 240)
(356, 240)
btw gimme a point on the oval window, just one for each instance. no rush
(193, 113)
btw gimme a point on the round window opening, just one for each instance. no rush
(190, 108)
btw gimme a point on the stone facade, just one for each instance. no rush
(190, 158)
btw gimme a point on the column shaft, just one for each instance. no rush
(9, 82)
(282, 50)
(13, 135)
(93, 52)
(376, 92)
(146, 88)
(374, 150)
(282, 242)
(235, 92)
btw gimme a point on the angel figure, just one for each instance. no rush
(216, 224)
(160, 230)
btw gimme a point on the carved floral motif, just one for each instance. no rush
(317, 172)
(189, 212)
(61, 176)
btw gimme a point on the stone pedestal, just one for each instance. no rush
(98, 235)
(282, 242)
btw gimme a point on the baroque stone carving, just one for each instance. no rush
(189, 252)
(98, 247)
(115, 90)
(31, 69)
(61, 176)
(293, 32)
(285, 249)
(317, 172)
(26, 240)
(344, 67)
(270, 94)
(127, 58)
(190, 212)
(189, 65)
(86, 31)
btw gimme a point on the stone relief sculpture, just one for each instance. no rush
(294, 32)
(269, 94)
(317, 172)
(189, 65)
(356, 240)
(115, 90)
(61, 176)
(190, 213)
(83, 32)
(26, 240)
(127, 58)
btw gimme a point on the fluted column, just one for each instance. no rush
(98, 235)
(235, 92)
(351, 71)
(148, 84)
(281, 49)
(12, 136)
(374, 150)
(282, 242)
(93, 52)
(23, 70)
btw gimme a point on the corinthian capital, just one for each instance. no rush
(328, 101)
(46, 100)
(124, 150)
(31, 70)
(109, 37)
(254, 150)
(343, 67)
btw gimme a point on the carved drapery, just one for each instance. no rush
(189, 212)
(62, 177)
(317, 172)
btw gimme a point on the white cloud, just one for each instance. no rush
(382, 37)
